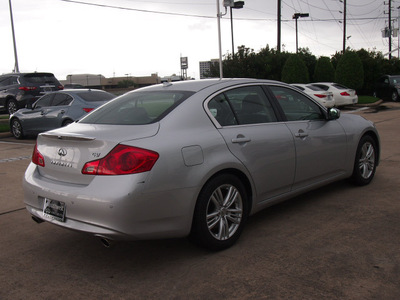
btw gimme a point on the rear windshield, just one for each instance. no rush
(340, 87)
(315, 88)
(93, 96)
(40, 78)
(137, 108)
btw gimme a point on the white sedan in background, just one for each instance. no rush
(342, 95)
(317, 93)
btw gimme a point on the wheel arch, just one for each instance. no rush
(242, 177)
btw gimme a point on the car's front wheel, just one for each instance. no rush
(395, 96)
(365, 162)
(16, 129)
(220, 213)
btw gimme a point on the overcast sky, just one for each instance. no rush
(139, 37)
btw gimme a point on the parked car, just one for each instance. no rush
(19, 89)
(56, 109)
(388, 87)
(317, 93)
(193, 158)
(342, 95)
(73, 86)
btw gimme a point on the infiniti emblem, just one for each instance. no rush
(62, 152)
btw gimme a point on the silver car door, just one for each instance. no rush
(321, 146)
(250, 129)
(53, 115)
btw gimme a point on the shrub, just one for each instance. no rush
(295, 70)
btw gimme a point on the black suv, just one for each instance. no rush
(19, 89)
(388, 87)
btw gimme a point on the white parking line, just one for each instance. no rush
(15, 158)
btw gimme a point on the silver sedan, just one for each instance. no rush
(193, 158)
(56, 109)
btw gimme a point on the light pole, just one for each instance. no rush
(296, 16)
(16, 68)
(236, 5)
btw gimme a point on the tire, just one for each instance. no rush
(67, 122)
(12, 106)
(365, 161)
(395, 96)
(220, 214)
(16, 129)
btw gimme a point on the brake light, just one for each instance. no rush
(37, 157)
(60, 87)
(27, 88)
(320, 95)
(87, 110)
(122, 160)
(344, 94)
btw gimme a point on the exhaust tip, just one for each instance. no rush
(106, 242)
(37, 220)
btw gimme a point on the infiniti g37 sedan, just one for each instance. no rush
(193, 158)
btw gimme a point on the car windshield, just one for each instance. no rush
(137, 108)
(93, 96)
(395, 79)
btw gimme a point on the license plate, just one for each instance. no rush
(54, 209)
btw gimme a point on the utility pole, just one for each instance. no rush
(16, 68)
(344, 25)
(390, 29)
(278, 47)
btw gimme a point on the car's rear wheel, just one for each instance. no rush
(16, 129)
(220, 214)
(12, 106)
(67, 122)
(365, 162)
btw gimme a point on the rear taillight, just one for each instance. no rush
(344, 94)
(320, 95)
(37, 157)
(60, 87)
(122, 160)
(27, 88)
(87, 110)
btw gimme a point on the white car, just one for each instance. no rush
(342, 95)
(317, 93)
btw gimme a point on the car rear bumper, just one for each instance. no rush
(107, 208)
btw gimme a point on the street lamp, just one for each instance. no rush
(236, 5)
(296, 16)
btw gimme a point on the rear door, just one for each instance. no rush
(249, 125)
(321, 146)
(53, 115)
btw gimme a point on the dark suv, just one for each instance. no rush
(388, 87)
(18, 89)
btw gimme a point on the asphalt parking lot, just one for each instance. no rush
(338, 242)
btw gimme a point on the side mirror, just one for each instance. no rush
(333, 113)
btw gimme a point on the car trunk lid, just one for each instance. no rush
(66, 150)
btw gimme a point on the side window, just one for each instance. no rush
(44, 101)
(245, 105)
(295, 105)
(4, 81)
(61, 99)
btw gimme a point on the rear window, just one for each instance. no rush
(339, 86)
(137, 108)
(93, 96)
(315, 88)
(40, 78)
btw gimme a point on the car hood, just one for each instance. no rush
(66, 150)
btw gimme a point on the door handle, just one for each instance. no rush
(43, 112)
(240, 139)
(62, 112)
(301, 134)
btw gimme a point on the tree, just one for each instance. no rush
(295, 70)
(350, 71)
(324, 71)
